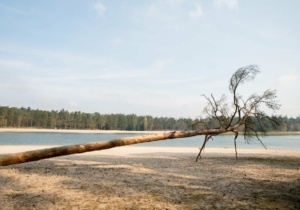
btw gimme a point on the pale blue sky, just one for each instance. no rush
(145, 57)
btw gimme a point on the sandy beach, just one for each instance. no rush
(135, 177)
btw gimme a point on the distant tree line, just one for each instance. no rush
(63, 119)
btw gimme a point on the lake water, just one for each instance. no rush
(290, 142)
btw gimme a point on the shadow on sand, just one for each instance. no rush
(152, 181)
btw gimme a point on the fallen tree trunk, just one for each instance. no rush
(246, 113)
(35, 155)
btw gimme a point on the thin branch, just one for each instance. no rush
(257, 137)
(206, 138)
(236, 135)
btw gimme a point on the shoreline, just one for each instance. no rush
(166, 151)
(47, 130)
(42, 130)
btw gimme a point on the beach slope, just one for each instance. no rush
(136, 177)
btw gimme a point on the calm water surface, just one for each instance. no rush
(291, 142)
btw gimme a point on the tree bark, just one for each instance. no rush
(245, 113)
(35, 155)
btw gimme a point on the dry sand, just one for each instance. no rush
(136, 177)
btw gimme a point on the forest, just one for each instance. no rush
(13, 117)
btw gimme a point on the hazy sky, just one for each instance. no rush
(151, 57)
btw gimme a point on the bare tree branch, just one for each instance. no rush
(246, 116)
(206, 138)
(244, 111)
